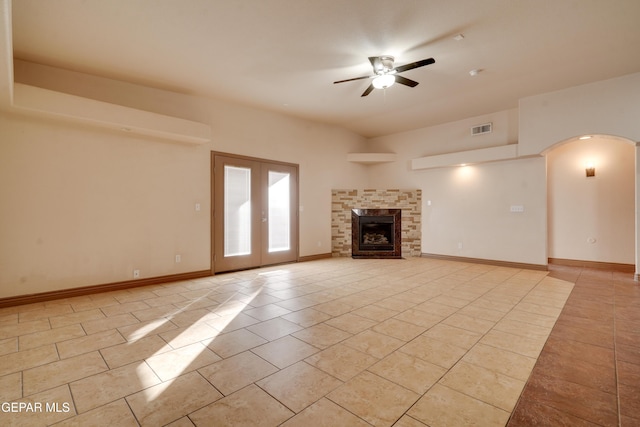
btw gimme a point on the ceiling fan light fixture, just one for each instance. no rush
(384, 81)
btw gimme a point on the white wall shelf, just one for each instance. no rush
(371, 158)
(503, 152)
(62, 105)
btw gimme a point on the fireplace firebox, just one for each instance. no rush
(376, 233)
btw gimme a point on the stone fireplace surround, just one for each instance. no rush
(342, 201)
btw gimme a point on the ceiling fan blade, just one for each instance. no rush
(413, 65)
(355, 78)
(368, 91)
(405, 81)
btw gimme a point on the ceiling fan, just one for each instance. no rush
(386, 75)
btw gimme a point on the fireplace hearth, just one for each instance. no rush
(376, 233)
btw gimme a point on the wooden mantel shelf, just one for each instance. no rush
(371, 158)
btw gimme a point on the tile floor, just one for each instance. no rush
(589, 371)
(335, 342)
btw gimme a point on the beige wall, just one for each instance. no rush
(592, 219)
(467, 210)
(83, 206)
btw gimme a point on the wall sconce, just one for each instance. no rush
(590, 169)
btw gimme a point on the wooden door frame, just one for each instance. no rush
(212, 200)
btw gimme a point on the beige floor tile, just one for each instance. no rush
(50, 336)
(321, 335)
(375, 312)
(435, 308)
(232, 374)
(442, 406)
(232, 322)
(155, 313)
(250, 406)
(474, 311)
(373, 343)
(75, 318)
(399, 329)
(527, 346)
(165, 300)
(325, 413)
(9, 345)
(188, 335)
(301, 303)
(285, 351)
(469, 323)
(334, 308)
(185, 359)
(226, 345)
(351, 323)
(341, 361)
(91, 302)
(396, 304)
(136, 351)
(408, 371)
(543, 310)
(128, 307)
(491, 387)
(502, 361)
(11, 387)
(452, 335)
(419, 318)
(140, 330)
(537, 319)
(407, 421)
(51, 311)
(172, 400)
(181, 422)
(89, 343)
(523, 329)
(116, 413)
(97, 390)
(374, 399)
(299, 385)
(266, 312)
(307, 317)
(61, 372)
(434, 351)
(56, 405)
(274, 328)
(18, 361)
(186, 318)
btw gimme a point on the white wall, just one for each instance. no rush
(469, 215)
(592, 218)
(608, 107)
(81, 206)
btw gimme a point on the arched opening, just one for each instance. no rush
(591, 192)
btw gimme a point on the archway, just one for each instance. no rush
(591, 217)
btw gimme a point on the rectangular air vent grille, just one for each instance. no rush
(482, 129)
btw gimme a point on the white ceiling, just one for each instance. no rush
(283, 55)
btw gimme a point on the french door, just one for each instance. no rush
(255, 212)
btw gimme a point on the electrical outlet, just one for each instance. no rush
(178, 258)
(136, 274)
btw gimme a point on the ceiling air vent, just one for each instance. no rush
(482, 129)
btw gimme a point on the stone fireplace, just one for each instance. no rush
(376, 233)
(408, 202)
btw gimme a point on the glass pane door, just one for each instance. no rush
(279, 212)
(237, 211)
(236, 193)
(255, 205)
